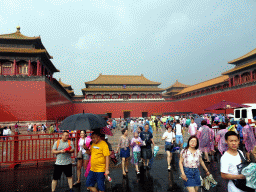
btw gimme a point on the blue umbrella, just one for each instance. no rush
(83, 121)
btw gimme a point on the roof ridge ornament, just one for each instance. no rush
(18, 29)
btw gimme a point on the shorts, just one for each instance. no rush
(179, 138)
(193, 176)
(84, 157)
(58, 169)
(96, 177)
(146, 153)
(168, 146)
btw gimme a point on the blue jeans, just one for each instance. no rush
(179, 138)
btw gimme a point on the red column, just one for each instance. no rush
(1, 69)
(233, 81)
(29, 68)
(119, 96)
(43, 71)
(240, 79)
(110, 96)
(85, 96)
(229, 82)
(251, 76)
(93, 96)
(14, 67)
(38, 66)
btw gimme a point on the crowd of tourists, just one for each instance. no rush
(194, 138)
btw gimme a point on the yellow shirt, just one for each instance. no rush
(99, 152)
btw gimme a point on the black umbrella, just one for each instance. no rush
(83, 121)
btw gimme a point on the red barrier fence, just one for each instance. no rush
(36, 147)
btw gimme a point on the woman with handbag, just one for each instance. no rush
(169, 137)
(82, 156)
(190, 159)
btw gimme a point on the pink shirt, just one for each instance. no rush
(191, 160)
(192, 128)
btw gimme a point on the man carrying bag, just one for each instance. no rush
(232, 163)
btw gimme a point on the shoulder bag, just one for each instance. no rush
(241, 183)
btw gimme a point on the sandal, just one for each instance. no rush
(248, 160)
(169, 168)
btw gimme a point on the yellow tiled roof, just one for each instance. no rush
(239, 67)
(207, 83)
(177, 84)
(21, 50)
(17, 35)
(63, 84)
(121, 89)
(174, 91)
(253, 52)
(122, 80)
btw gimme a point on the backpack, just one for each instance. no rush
(58, 143)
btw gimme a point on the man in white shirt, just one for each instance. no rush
(192, 127)
(179, 137)
(230, 160)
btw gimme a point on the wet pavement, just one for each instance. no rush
(32, 178)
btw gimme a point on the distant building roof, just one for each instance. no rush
(122, 89)
(17, 35)
(63, 84)
(207, 83)
(177, 84)
(239, 67)
(122, 80)
(251, 53)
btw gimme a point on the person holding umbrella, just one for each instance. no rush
(84, 159)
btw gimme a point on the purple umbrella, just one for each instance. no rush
(223, 105)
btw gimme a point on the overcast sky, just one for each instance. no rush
(190, 40)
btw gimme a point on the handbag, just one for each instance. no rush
(241, 183)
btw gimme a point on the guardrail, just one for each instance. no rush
(36, 147)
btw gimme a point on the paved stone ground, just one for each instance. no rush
(28, 178)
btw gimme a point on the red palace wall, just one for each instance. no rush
(195, 105)
(22, 101)
(57, 106)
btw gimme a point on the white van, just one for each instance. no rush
(246, 113)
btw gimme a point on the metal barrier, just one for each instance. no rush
(36, 147)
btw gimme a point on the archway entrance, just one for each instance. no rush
(127, 114)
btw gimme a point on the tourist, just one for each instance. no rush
(124, 146)
(230, 160)
(156, 123)
(140, 129)
(204, 136)
(188, 121)
(16, 128)
(84, 159)
(220, 139)
(190, 159)
(5, 133)
(192, 128)
(29, 127)
(146, 150)
(136, 142)
(240, 132)
(51, 129)
(99, 152)
(179, 137)
(35, 128)
(114, 124)
(169, 137)
(248, 139)
(63, 161)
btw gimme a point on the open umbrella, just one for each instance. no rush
(224, 105)
(83, 121)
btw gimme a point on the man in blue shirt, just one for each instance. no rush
(150, 128)
(114, 124)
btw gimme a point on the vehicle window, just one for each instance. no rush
(244, 113)
(253, 113)
(237, 113)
